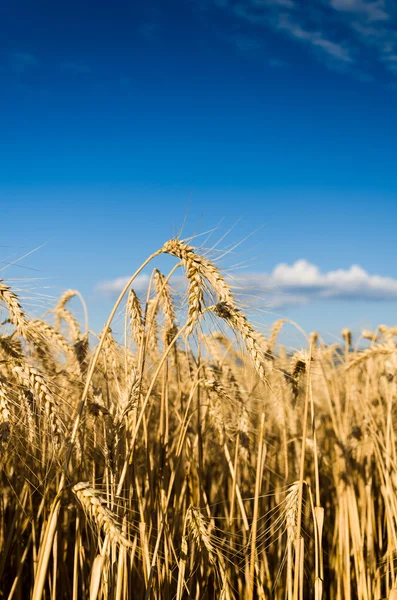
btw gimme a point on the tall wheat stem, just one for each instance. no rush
(45, 549)
(254, 529)
(301, 479)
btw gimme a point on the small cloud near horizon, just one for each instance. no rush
(288, 285)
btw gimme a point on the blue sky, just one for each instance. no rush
(119, 121)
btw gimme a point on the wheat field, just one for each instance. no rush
(193, 457)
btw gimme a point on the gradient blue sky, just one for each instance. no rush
(118, 120)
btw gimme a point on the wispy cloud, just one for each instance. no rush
(112, 287)
(373, 11)
(299, 283)
(357, 36)
(316, 39)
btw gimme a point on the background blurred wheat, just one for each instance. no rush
(195, 458)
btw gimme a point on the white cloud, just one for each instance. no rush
(306, 281)
(353, 36)
(113, 287)
(315, 38)
(373, 11)
(294, 284)
(335, 50)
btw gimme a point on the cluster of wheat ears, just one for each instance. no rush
(193, 457)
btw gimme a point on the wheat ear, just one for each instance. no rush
(4, 414)
(163, 291)
(371, 352)
(17, 316)
(254, 343)
(94, 506)
(198, 528)
(33, 380)
(61, 312)
(134, 312)
(277, 326)
(39, 330)
(11, 346)
(291, 510)
(205, 267)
